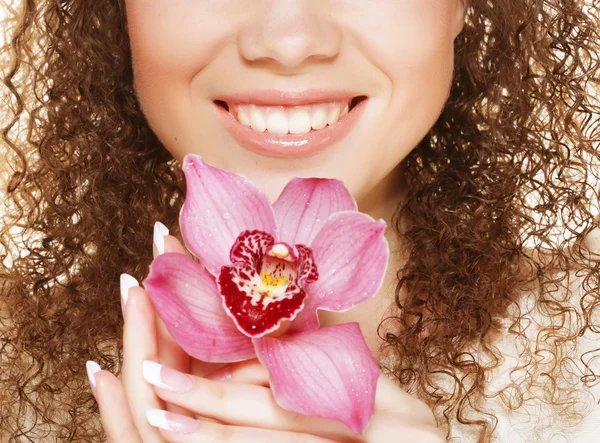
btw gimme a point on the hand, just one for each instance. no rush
(123, 403)
(240, 409)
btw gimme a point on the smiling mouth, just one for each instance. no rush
(296, 120)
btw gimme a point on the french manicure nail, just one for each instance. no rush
(92, 368)
(127, 282)
(170, 421)
(166, 378)
(160, 231)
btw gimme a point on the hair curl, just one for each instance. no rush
(500, 197)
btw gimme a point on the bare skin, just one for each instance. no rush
(232, 403)
(397, 53)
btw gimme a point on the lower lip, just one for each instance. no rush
(290, 145)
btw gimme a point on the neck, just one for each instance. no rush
(383, 200)
(380, 203)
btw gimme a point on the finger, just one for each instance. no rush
(139, 344)
(164, 242)
(181, 429)
(169, 350)
(115, 414)
(172, 244)
(235, 403)
(201, 368)
(250, 372)
(391, 398)
(387, 426)
(171, 355)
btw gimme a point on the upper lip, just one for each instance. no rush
(275, 97)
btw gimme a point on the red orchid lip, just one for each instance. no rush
(277, 97)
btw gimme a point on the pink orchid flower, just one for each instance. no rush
(264, 272)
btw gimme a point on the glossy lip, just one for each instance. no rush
(289, 145)
(276, 97)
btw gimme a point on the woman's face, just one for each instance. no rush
(259, 87)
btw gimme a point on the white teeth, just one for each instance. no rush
(277, 123)
(282, 120)
(257, 121)
(344, 111)
(299, 122)
(334, 116)
(319, 119)
(243, 117)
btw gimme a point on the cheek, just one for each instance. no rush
(412, 46)
(415, 47)
(171, 41)
(175, 35)
(414, 50)
(423, 53)
(399, 33)
(404, 47)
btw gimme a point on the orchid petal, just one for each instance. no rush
(305, 204)
(186, 298)
(351, 254)
(218, 206)
(327, 373)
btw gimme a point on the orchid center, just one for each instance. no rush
(271, 283)
(265, 283)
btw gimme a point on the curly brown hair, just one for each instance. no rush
(500, 197)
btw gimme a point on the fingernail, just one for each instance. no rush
(166, 378)
(127, 282)
(170, 421)
(160, 231)
(92, 367)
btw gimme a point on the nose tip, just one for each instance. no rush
(290, 41)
